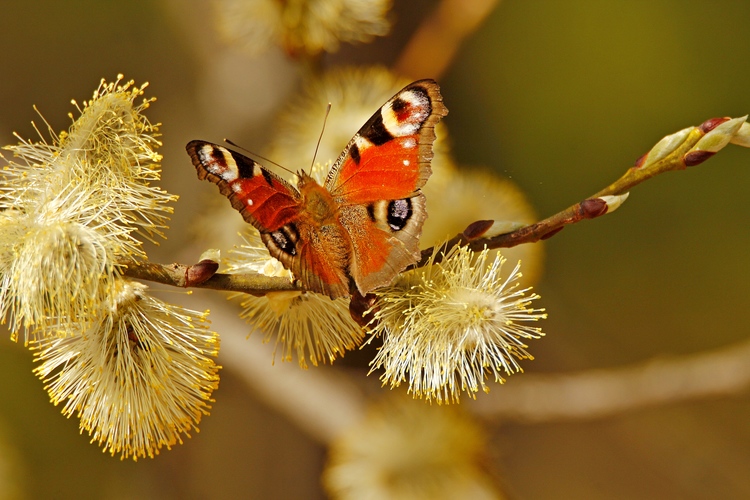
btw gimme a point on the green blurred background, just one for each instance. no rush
(561, 97)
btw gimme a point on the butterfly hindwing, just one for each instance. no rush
(386, 239)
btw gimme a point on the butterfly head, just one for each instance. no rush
(303, 177)
(317, 202)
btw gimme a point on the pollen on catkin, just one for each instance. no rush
(75, 206)
(305, 325)
(53, 274)
(451, 327)
(99, 172)
(139, 378)
(301, 26)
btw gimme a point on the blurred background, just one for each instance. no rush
(558, 96)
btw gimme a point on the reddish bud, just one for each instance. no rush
(639, 161)
(593, 207)
(711, 124)
(697, 157)
(477, 229)
(200, 272)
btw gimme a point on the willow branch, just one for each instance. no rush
(675, 152)
(600, 393)
(686, 148)
(193, 276)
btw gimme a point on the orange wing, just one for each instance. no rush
(264, 199)
(377, 180)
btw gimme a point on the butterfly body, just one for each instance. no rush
(362, 227)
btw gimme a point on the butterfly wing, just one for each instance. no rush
(277, 210)
(264, 199)
(377, 180)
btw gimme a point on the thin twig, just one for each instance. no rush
(177, 275)
(587, 209)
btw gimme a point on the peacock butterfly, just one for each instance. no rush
(363, 227)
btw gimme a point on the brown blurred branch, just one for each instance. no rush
(433, 46)
(323, 401)
(320, 401)
(600, 393)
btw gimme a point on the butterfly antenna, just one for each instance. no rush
(320, 138)
(256, 155)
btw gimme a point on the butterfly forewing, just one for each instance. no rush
(264, 199)
(389, 158)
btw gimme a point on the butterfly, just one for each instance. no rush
(362, 228)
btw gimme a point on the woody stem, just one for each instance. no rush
(589, 208)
